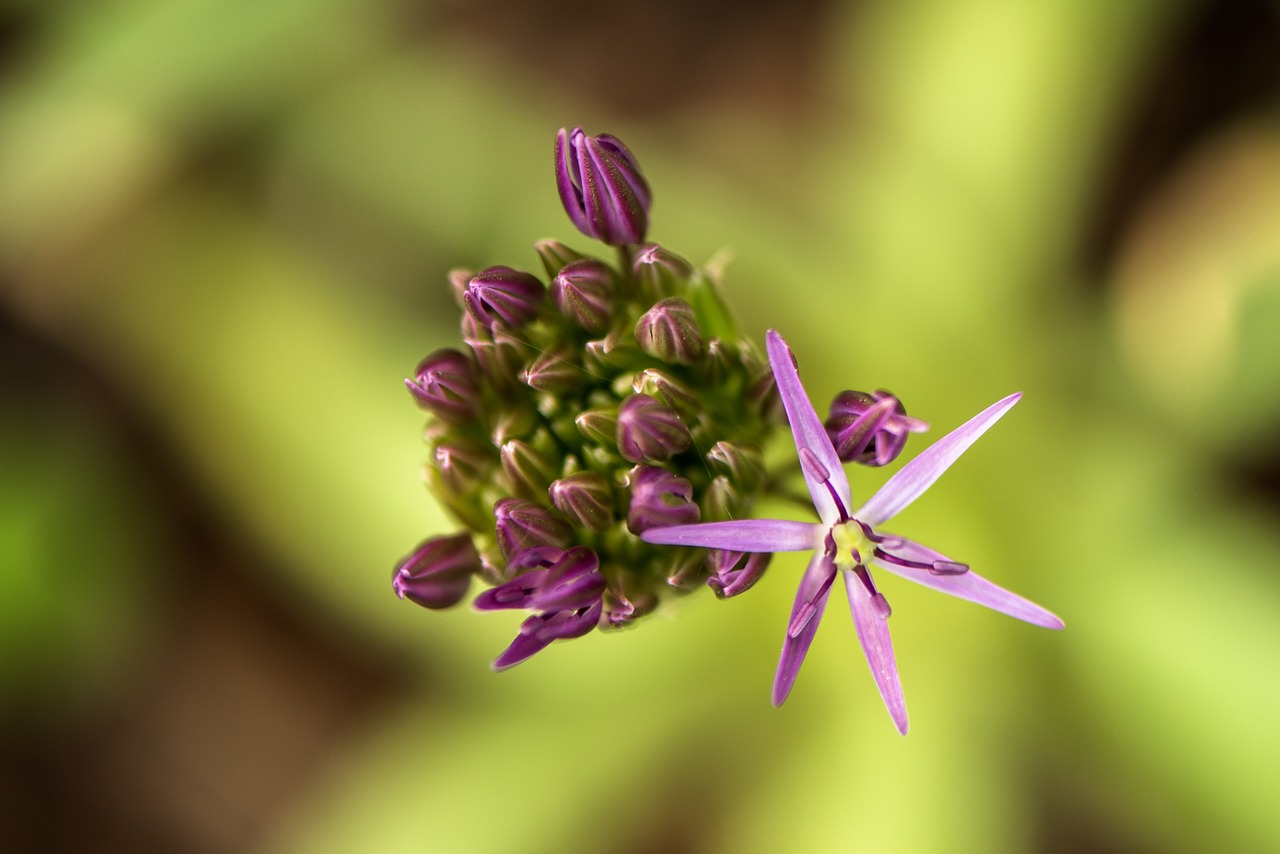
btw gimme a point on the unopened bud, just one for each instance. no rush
(583, 291)
(529, 472)
(735, 572)
(585, 499)
(503, 295)
(445, 385)
(553, 371)
(669, 332)
(661, 273)
(523, 525)
(668, 389)
(658, 499)
(554, 255)
(649, 430)
(601, 187)
(438, 573)
(870, 429)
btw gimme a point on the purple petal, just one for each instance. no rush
(869, 618)
(526, 644)
(918, 475)
(969, 586)
(809, 433)
(744, 535)
(814, 590)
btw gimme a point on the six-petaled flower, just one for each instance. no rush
(846, 542)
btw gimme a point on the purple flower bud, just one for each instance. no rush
(649, 430)
(554, 371)
(573, 582)
(583, 291)
(735, 572)
(524, 525)
(870, 429)
(585, 499)
(445, 385)
(601, 187)
(669, 331)
(538, 631)
(555, 255)
(661, 273)
(503, 295)
(528, 472)
(558, 580)
(438, 573)
(658, 499)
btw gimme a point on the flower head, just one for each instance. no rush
(846, 543)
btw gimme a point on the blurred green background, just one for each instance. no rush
(224, 229)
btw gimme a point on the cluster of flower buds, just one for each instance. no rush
(583, 409)
(590, 406)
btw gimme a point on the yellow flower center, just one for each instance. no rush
(852, 545)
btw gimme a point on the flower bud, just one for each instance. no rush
(721, 502)
(585, 499)
(464, 465)
(498, 359)
(763, 396)
(538, 631)
(742, 467)
(658, 499)
(687, 569)
(438, 573)
(445, 385)
(555, 580)
(649, 430)
(623, 608)
(528, 472)
(667, 389)
(555, 255)
(599, 424)
(583, 292)
(669, 331)
(459, 278)
(553, 371)
(524, 525)
(601, 187)
(735, 572)
(870, 429)
(660, 273)
(503, 295)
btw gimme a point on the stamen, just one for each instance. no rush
(809, 462)
(948, 567)
(880, 603)
(806, 613)
(936, 567)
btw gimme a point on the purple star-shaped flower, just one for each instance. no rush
(846, 543)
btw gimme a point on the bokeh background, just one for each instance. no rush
(224, 229)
